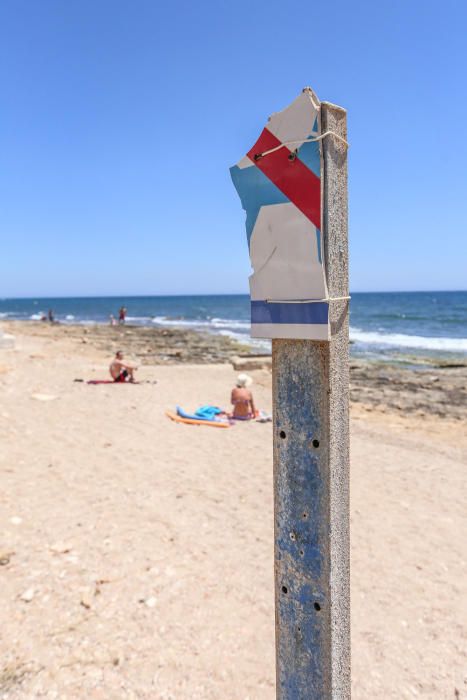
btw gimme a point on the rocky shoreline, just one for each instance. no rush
(147, 345)
(437, 388)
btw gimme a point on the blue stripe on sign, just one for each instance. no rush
(264, 312)
(318, 245)
(309, 153)
(255, 191)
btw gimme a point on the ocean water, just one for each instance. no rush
(389, 326)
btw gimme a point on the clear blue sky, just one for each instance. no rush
(119, 121)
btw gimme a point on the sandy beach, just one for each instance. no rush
(136, 554)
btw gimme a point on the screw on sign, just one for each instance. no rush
(293, 186)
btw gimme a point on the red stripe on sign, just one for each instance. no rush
(292, 177)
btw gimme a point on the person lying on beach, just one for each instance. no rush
(121, 371)
(242, 399)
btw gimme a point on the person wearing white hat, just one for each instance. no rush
(242, 398)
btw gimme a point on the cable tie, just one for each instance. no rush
(294, 143)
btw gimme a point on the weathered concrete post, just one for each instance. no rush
(311, 470)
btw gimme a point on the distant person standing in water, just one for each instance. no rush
(51, 316)
(121, 371)
(122, 315)
(242, 398)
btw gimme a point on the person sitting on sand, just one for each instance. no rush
(120, 371)
(242, 399)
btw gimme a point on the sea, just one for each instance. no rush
(390, 326)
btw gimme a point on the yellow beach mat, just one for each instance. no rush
(192, 421)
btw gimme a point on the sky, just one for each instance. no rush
(119, 121)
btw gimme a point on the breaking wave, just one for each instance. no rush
(213, 323)
(409, 341)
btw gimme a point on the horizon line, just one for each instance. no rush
(217, 294)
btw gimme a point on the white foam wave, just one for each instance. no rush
(229, 323)
(257, 343)
(202, 323)
(235, 336)
(37, 317)
(164, 321)
(409, 341)
(69, 317)
(261, 344)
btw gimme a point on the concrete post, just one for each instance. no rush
(311, 471)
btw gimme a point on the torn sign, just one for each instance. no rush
(279, 184)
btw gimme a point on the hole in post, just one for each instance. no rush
(304, 516)
(284, 589)
(301, 552)
(282, 434)
(317, 606)
(315, 443)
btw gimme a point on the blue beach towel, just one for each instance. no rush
(208, 412)
(190, 416)
(205, 415)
